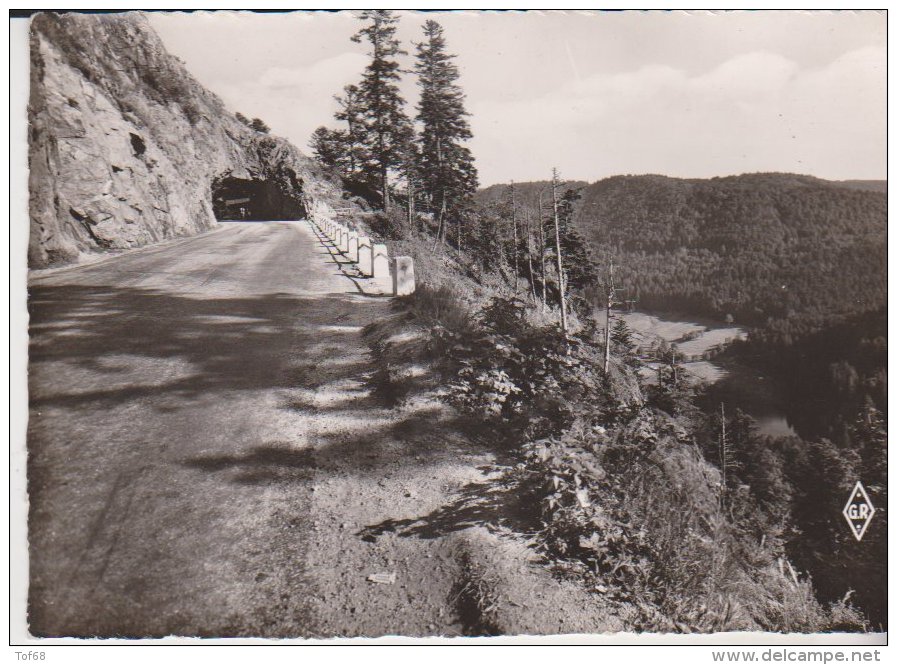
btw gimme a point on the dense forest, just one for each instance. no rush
(801, 261)
(786, 252)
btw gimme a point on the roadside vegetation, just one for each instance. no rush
(687, 517)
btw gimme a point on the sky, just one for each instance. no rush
(595, 94)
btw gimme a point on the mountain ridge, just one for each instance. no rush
(873, 185)
(759, 247)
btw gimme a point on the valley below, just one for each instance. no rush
(728, 380)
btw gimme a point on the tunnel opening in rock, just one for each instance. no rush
(240, 199)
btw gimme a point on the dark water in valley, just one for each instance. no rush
(754, 393)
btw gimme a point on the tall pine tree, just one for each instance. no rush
(579, 266)
(350, 112)
(387, 129)
(448, 175)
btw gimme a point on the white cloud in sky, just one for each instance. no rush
(596, 94)
(294, 101)
(316, 78)
(757, 111)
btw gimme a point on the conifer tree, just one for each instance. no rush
(350, 112)
(409, 173)
(580, 271)
(621, 336)
(387, 129)
(329, 148)
(446, 168)
(259, 125)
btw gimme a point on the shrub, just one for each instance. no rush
(532, 378)
(633, 512)
(392, 225)
(439, 306)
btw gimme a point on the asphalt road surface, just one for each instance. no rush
(209, 455)
(169, 472)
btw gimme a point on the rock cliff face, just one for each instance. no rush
(125, 146)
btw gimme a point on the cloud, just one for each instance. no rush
(343, 67)
(747, 75)
(687, 94)
(755, 111)
(293, 101)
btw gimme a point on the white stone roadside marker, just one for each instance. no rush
(402, 276)
(352, 248)
(365, 257)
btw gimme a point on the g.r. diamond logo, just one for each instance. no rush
(859, 511)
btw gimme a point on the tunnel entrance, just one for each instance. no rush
(239, 199)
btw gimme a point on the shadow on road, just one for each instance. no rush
(491, 503)
(95, 348)
(217, 345)
(131, 394)
(261, 465)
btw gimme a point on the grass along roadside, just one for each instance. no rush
(620, 500)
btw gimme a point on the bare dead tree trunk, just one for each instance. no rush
(542, 252)
(384, 187)
(460, 233)
(607, 317)
(514, 223)
(562, 296)
(723, 454)
(411, 228)
(607, 339)
(440, 226)
(444, 222)
(438, 229)
(529, 259)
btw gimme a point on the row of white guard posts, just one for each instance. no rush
(392, 276)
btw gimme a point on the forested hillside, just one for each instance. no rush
(802, 263)
(864, 185)
(762, 247)
(622, 483)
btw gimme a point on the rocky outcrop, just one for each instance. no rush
(125, 145)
